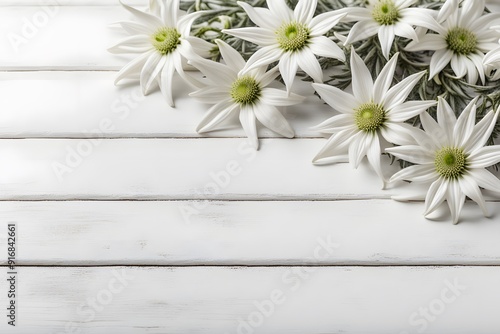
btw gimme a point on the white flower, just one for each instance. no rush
(492, 60)
(451, 154)
(162, 39)
(462, 38)
(234, 90)
(387, 18)
(375, 110)
(294, 38)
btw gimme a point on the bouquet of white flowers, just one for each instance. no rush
(424, 77)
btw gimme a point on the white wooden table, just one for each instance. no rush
(130, 222)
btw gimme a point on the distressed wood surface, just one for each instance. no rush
(80, 104)
(146, 175)
(374, 232)
(48, 169)
(263, 300)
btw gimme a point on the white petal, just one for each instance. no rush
(185, 22)
(280, 10)
(179, 64)
(405, 30)
(408, 110)
(456, 200)
(386, 38)
(215, 72)
(267, 77)
(439, 60)
(288, 68)
(433, 129)
(166, 78)
(247, 120)
(324, 47)
(132, 44)
(358, 147)
(458, 66)
(231, 57)
(263, 57)
(429, 42)
(272, 119)
(471, 189)
(308, 63)
(482, 132)
(151, 21)
(322, 23)
(335, 124)
(260, 16)
(399, 93)
(373, 155)
(362, 30)
(471, 10)
(485, 157)
(304, 11)
(419, 17)
(279, 98)
(216, 115)
(399, 134)
(446, 118)
(151, 70)
(477, 60)
(200, 47)
(134, 28)
(170, 12)
(412, 153)
(133, 67)
(492, 57)
(417, 173)
(486, 179)
(336, 98)
(336, 146)
(259, 36)
(449, 7)
(211, 95)
(384, 80)
(436, 195)
(472, 75)
(362, 82)
(465, 124)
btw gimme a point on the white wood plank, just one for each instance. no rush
(177, 169)
(217, 300)
(376, 232)
(75, 104)
(59, 37)
(71, 2)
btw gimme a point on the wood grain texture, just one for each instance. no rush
(76, 104)
(214, 300)
(375, 232)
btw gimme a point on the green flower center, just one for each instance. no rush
(245, 90)
(461, 41)
(385, 12)
(370, 117)
(166, 40)
(451, 162)
(292, 36)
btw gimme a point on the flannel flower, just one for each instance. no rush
(452, 156)
(294, 38)
(161, 38)
(234, 90)
(374, 111)
(461, 39)
(387, 19)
